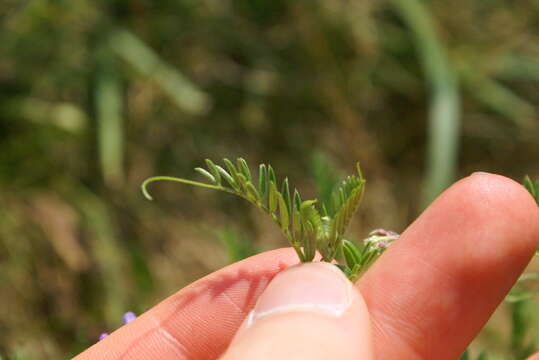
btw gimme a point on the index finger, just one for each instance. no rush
(198, 321)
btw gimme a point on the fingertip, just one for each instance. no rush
(487, 197)
(501, 190)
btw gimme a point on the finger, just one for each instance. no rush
(434, 289)
(310, 311)
(198, 321)
(534, 357)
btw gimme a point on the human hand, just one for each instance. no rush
(425, 298)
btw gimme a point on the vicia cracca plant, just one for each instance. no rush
(309, 226)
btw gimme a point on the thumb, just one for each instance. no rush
(309, 311)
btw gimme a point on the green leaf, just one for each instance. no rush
(335, 202)
(309, 241)
(262, 180)
(310, 214)
(345, 269)
(348, 196)
(252, 191)
(271, 175)
(341, 195)
(367, 258)
(232, 170)
(272, 198)
(465, 356)
(243, 182)
(297, 200)
(229, 179)
(283, 212)
(351, 254)
(285, 191)
(324, 210)
(296, 225)
(533, 188)
(206, 174)
(244, 168)
(530, 186)
(213, 170)
(248, 189)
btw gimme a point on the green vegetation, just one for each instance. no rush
(307, 228)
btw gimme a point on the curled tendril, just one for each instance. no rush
(307, 229)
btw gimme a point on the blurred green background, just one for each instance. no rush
(96, 96)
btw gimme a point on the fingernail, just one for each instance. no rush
(311, 287)
(480, 173)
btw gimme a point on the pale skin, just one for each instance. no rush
(427, 297)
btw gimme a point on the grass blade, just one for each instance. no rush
(444, 108)
(184, 94)
(110, 135)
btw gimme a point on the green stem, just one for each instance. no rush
(299, 252)
(146, 194)
(146, 182)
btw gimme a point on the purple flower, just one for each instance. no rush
(380, 238)
(379, 232)
(383, 232)
(382, 244)
(128, 317)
